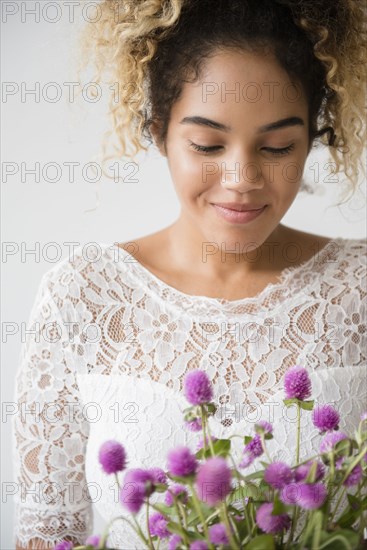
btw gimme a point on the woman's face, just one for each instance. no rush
(228, 112)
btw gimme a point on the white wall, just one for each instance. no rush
(35, 214)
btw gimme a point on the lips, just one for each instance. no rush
(239, 207)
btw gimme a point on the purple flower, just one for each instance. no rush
(271, 523)
(330, 440)
(297, 383)
(213, 480)
(278, 474)
(194, 425)
(354, 477)
(266, 426)
(252, 450)
(217, 534)
(176, 490)
(181, 462)
(305, 495)
(198, 389)
(174, 542)
(199, 545)
(64, 545)
(200, 445)
(158, 526)
(364, 416)
(325, 418)
(138, 475)
(159, 476)
(302, 471)
(93, 540)
(132, 500)
(112, 456)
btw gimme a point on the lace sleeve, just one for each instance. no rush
(52, 501)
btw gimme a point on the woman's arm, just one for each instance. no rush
(50, 432)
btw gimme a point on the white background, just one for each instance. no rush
(35, 214)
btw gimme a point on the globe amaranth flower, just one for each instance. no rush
(176, 490)
(325, 418)
(218, 534)
(64, 545)
(265, 426)
(159, 476)
(306, 495)
(199, 545)
(174, 542)
(181, 462)
(194, 425)
(93, 540)
(252, 450)
(132, 500)
(213, 480)
(158, 526)
(112, 457)
(302, 471)
(197, 387)
(297, 383)
(330, 440)
(354, 477)
(278, 474)
(200, 445)
(139, 475)
(271, 523)
(136, 488)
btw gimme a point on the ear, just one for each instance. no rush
(155, 130)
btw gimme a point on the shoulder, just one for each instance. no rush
(86, 268)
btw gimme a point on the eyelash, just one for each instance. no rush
(207, 150)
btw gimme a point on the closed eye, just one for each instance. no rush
(207, 150)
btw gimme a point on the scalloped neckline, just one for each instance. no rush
(283, 278)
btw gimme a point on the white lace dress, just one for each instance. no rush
(111, 344)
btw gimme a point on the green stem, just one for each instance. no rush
(203, 427)
(151, 545)
(298, 432)
(264, 447)
(200, 513)
(205, 423)
(337, 504)
(140, 531)
(183, 533)
(224, 513)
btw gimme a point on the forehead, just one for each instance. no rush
(238, 84)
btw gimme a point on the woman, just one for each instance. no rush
(234, 94)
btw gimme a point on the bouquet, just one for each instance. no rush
(209, 503)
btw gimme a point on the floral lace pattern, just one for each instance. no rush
(106, 357)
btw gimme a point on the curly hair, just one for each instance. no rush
(151, 47)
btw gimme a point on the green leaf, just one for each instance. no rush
(342, 539)
(211, 408)
(247, 439)
(354, 502)
(348, 518)
(240, 493)
(289, 402)
(174, 528)
(262, 542)
(306, 405)
(164, 508)
(343, 447)
(278, 507)
(221, 447)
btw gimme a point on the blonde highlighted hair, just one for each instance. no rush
(149, 48)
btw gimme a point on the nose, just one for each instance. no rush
(241, 174)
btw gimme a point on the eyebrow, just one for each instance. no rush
(283, 123)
